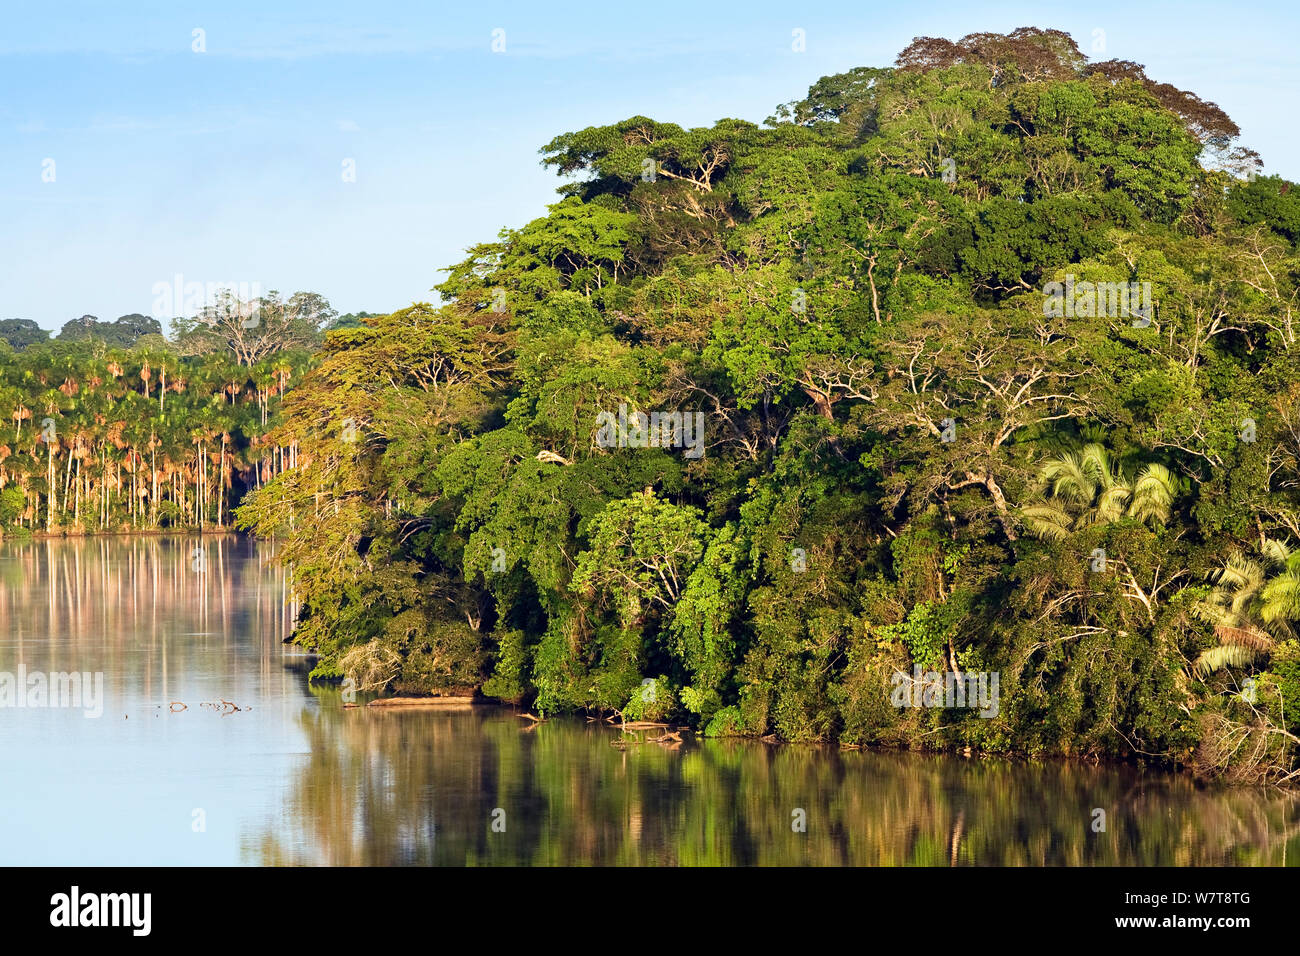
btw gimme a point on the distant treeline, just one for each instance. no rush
(124, 331)
(113, 427)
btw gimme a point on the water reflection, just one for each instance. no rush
(153, 613)
(422, 788)
(294, 778)
(162, 619)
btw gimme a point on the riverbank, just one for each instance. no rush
(23, 534)
(294, 777)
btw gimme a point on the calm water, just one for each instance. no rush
(292, 777)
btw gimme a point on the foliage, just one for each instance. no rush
(909, 460)
(98, 437)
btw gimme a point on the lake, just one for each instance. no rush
(209, 747)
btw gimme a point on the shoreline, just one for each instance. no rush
(137, 533)
(461, 701)
(406, 703)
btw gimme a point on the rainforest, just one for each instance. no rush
(915, 459)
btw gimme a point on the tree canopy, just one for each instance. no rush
(911, 459)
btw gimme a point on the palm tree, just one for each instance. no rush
(1085, 488)
(145, 373)
(166, 363)
(11, 398)
(115, 362)
(283, 369)
(1251, 605)
(52, 401)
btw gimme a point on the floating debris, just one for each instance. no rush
(638, 732)
(223, 707)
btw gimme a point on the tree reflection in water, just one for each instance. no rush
(294, 778)
(422, 787)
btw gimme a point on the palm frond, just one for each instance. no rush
(1275, 550)
(1069, 478)
(1247, 636)
(1239, 573)
(1153, 493)
(1046, 521)
(1280, 598)
(1114, 500)
(1225, 655)
(1213, 612)
(1096, 464)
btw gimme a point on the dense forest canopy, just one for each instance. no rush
(995, 355)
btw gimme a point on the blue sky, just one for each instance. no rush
(226, 165)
